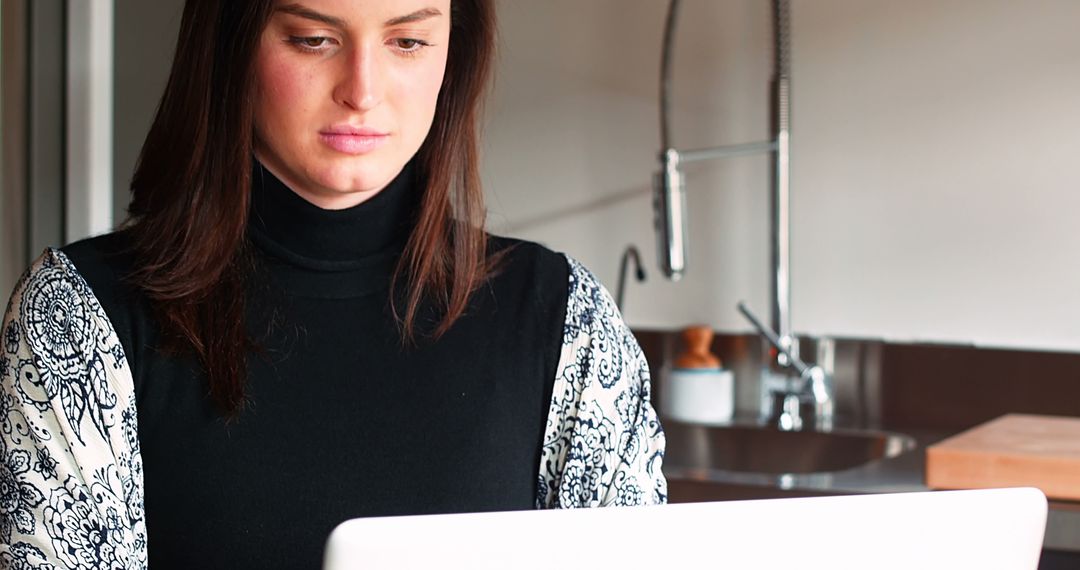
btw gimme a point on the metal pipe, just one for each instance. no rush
(666, 58)
(781, 194)
(669, 196)
(727, 151)
(629, 255)
(668, 187)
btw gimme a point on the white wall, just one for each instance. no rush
(938, 170)
(933, 193)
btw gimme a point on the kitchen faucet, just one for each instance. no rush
(811, 385)
(808, 386)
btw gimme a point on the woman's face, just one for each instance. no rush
(346, 92)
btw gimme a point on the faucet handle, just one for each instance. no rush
(781, 347)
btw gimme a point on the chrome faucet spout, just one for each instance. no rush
(813, 386)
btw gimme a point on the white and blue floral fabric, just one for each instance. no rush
(71, 488)
(603, 445)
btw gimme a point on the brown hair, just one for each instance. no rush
(192, 187)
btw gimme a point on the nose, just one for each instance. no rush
(361, 81)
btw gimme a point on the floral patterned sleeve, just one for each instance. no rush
(71, 476)
(603, 445)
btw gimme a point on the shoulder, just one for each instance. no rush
(531, 268)
(103, 261)
(53, 291)
(561, 280)
(522, 255)
(50, 279)
(55, 324)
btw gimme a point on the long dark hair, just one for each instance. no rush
(192, 187)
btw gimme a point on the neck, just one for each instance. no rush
(323, 198)
(289, 223)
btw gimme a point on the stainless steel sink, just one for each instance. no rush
(755, 449)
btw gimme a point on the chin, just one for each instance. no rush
(354, 178)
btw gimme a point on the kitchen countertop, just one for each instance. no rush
(903, 473)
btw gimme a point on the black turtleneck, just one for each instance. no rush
(344, 420)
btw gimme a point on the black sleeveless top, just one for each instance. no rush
(343, 421)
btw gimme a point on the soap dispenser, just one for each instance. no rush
(698, 388)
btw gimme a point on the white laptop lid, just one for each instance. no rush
(987, 529)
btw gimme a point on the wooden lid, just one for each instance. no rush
(697, 353)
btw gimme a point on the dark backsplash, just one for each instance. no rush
(948, 386)
(896, 386)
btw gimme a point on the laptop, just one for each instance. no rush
(986, 529)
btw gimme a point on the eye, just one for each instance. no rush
(409, 45)
(311, 43)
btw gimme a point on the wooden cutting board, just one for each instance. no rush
(1015, 450)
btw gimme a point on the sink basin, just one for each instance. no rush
(756, 449)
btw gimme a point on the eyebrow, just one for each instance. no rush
(309, 14)
(416, 16)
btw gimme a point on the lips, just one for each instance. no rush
(353, 140)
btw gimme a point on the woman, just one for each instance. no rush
(303, 320)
